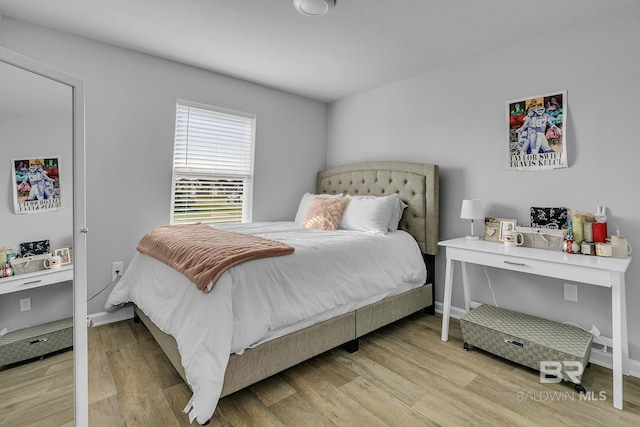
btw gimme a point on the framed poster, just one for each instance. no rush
(536, 132)
(36, 184)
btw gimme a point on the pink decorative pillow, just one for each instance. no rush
(304, 204)
(325, 214)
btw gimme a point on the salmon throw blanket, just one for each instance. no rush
(203, 253)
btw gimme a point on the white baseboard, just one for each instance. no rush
(597, 357)
(105, 317)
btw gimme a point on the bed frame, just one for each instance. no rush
(418, 186)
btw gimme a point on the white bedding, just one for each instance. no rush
(330, 273)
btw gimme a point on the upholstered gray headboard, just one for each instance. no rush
(417, 185)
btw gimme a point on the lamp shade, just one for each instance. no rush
(471, 209)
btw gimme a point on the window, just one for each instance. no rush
(212, 165)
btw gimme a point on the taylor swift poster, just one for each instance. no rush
(36, 184)
(536, 139)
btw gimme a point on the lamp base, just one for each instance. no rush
(473, 237)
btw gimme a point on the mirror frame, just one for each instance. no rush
(80, 340)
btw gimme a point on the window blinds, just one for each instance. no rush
(212, 165)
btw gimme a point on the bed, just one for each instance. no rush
(417, 186)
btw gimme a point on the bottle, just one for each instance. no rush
(569, 245)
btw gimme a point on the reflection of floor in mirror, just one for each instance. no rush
(38, 393)
(402, 374)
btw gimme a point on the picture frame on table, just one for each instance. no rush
(64, 254)
(506, 225)
(494, 228)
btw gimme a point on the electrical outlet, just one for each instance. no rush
(571, 292)
(117, 269)
(25, 304)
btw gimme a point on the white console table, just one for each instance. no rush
(593, 270)
(22, 282)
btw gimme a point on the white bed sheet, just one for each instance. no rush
(263, 299)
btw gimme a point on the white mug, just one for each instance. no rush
(512, 238)
(53, 263)
(620, 248)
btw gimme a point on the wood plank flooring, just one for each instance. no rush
(402, 375)
(39, 393)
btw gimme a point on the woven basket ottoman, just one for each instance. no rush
(529, 340)
(36, 341)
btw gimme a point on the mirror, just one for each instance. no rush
(43, 306)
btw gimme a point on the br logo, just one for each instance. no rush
(551, 371)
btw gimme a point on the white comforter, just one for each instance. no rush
(330, 273)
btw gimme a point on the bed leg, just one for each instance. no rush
(430, 310)
(136, 318)
(430, 263)
(351, 346)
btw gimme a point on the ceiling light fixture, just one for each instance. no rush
(313, 7)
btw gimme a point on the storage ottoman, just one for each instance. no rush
(36, 341)
(528, 340)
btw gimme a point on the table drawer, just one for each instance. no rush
(576, 273)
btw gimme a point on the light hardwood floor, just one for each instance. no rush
(38, 393)
(402, 375)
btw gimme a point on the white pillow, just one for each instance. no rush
(368, 213)
(306, 200)
(396, 214)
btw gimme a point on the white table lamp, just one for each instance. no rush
(471, 209)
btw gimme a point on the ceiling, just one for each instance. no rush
(359, 45)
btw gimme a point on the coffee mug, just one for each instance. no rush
(620, 248)
(53, 263)
(513, 238)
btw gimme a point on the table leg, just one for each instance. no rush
(623, 325)
(620, 344)
(465, 287)
(446, 302)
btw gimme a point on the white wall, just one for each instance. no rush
(455, 116)
(130, 115)
(37, 126)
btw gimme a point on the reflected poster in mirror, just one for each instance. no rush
(37, 184)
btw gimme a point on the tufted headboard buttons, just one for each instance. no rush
(416, 184)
